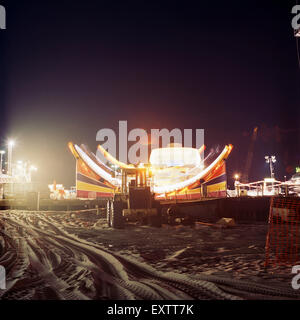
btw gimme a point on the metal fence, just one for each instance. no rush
(283, 238)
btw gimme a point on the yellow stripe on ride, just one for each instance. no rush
(217, 187)
(90, 187)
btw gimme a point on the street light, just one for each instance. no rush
(2, 152)
(11, 144)
(237, 184)
(236, 177)
(271, 160)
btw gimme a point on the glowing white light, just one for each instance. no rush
(169, 157)
(269, 180)
(11, 143)
(185, 183)
(97, 169)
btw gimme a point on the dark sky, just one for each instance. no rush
(70, 68)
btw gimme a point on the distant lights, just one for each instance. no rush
(269, 180)
(273, 159)
(270, 159)
(11, 143)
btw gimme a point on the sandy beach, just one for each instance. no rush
(55, 255)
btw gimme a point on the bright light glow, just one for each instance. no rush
(53, 187)
(33, 168)
(167, 179)
(173, 165)
(2, 152)
(11, 143)
(182, 184)
(270, 158)
(269, 180)
(236, 176)
(170, 157)
(113, 160)
(97, 169)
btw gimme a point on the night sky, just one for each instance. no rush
(70, 68)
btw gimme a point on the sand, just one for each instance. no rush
(55, 255)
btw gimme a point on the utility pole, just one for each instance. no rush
(11, 144)
(2, 152)
(271, 160)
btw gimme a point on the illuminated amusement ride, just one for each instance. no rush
(173, 173)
